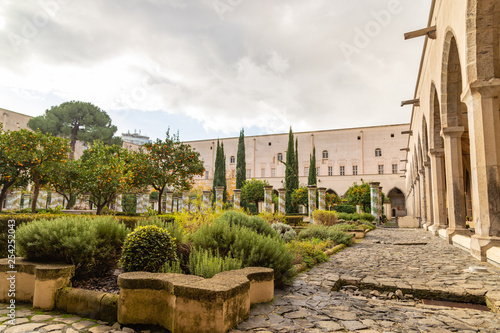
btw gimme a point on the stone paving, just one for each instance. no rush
(373, 286)
(378, 281)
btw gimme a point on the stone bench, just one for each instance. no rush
(186, 303)
(34, 282)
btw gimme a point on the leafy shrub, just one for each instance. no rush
(190, 222)
(245, 244)
(284, 231)
(326, 233)
(92, 244)
(148, 248)
(294, 219)
(355, 217)
(272, 218)
(367, 217)
(368, 225)
(172, 267)
(349, 209)
(205, 264)
(324, 217)
(311, 252)
(255, 223)
(345, 226)
(344, 216)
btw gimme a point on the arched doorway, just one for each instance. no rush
(398, 205)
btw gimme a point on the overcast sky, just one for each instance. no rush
(210, 67)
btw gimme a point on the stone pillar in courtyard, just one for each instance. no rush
(311, 191)
(428, 194)
(185, 201)
(423, 198)
(14, 200)
(168, 202)
(268, 199)
(56, 200)
(322, 198)
(380, 202)
(175, 204)
(118, 203)
(454, 182)
(374, 200)
(237, 199)
(41, 202)
(282, 201)
(206, 200)
(484, 136)
(219, 197)
(139, 208)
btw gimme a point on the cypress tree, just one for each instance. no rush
(312, 180)
(220, 171)
(241, 164)
(289, 174)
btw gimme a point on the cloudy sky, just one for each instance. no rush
(210, 67)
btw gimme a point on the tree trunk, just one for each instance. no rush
(3, 195)
(74, 132)
(160, 194)
(99, 209)
(36, 181)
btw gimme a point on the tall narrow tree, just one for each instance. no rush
(241, 164)
(312, 180)
(220, 170)
(289, 174)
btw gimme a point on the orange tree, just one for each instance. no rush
(331, 199)
(64, 180)
(300, 196)
(359, 195)
(166, 164)
(103, 174)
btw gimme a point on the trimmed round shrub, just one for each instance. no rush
(147, 249)
(284, 231)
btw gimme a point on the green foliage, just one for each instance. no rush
(359, 195)
(284, 231)
(291, 175)
(220, 172)
(76, 121)
(294, 219)
(255, 223)
(309, 251)
(349, 209)
(148, 248)
(92, 244)
(161, 164)
(312, 179)
(206, 264)
(367, 217)
(244, 244)
(273, 217)
(253, 191)
(331, 199)
(326, 233)
(325, 217)
(64, 178)
(368, 225)
(241, 165)
(173, 229)
(129, 203)
(172, 267)
(300, 196)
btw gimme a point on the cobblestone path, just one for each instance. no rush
(385, 273)
(373, 286)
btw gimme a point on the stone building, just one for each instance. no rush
(13, 121)
(343, 157)
(453, 168)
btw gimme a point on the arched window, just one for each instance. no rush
(232, 160)
(325, 153)
(378, 152)
(280, 157)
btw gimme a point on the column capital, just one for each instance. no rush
(268, 188)
(437, 152)
(282, 190)
(486, 89)
(427, 164)
(311, 187)
(422, 171)
(374, 184)
(322, 189)
(453, 131)
(237, 191)
(207, 192)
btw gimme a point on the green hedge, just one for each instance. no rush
(349, 209)
(294, 219)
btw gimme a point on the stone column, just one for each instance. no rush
(282, 201)
(168, 202)
(237, 199)
(175, 204)
(145, 199)
(206, 200)
(26, 200)
(185, 201)
(268, 199)
(374, 198)
(454, 182)
(118, 203)
(140, 204)
(380, 203)
(41, 202)
(14, 200)
(322, 198)
(423, 197)
(484, 132)
(311, 189)
(56, 200)
(440, 213)
(358, 209)
(428, 194)
(418, 200)
(219, 197)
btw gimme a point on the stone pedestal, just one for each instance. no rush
(206, 200)
(237, 199)
(219, 197)
(375, 199)
(311, 191)
(268, 199)
(322, 198)
(282, 195)
(168, 202)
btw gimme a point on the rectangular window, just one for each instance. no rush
(273, 172)
(330, 171)
(355, 170)
(207, 174)
(306, 171)
(317, 171)
(249, 173)
(394, 168)
(380, 169)
(263, 173)
(342, 170)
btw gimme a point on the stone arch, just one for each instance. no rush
(398, 202)
(436, 141)
(330, 191)
(483, 39)
(425, 140)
